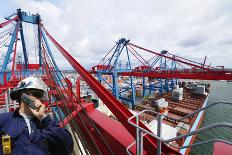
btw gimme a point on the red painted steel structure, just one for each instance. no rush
(222, 148)
(121, 113)
(171, 58)
(14, 57)
(30, 66)
(181, 75)
(8, 22)
(187, 74)
(78, 90)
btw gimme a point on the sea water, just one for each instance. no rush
(220, 91)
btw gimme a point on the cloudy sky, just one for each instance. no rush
(89, 28)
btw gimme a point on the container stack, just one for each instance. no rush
(152, 101)
(192, 85)
(182, 128)
(161, 103)
(200, 90)
(177, 94)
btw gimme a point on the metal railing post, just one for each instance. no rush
(139, 138)
(140, 142)
(137, 135)
(159, 133)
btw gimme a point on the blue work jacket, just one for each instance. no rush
(46, 137)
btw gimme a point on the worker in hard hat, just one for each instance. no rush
(31, 131)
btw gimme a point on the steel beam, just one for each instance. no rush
(111, 102)
(171, 58)
(8, 22)
(200, 76)
(39, 41)
(10, 48)
(23, 16)
(23, 46)
(14, 57)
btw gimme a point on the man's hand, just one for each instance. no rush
(39, 112)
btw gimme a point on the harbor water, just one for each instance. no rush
(220, 91)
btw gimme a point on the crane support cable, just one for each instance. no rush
(111, 102)
(59, 112)
(102, 60)
(139, 55)
(174, 59)
(83, 122)
(91, 121)
(147, 64)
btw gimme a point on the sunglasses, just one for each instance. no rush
(35, 94)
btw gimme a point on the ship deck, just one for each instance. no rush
(176, 109)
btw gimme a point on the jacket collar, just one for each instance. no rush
(16, 112)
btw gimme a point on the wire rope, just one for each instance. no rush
(59, 112)
(66, 109)
(91, 121)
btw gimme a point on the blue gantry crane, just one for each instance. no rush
(14, 32)
(123, 58)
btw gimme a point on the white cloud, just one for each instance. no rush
(88, 29)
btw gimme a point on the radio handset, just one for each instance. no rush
(25, 98)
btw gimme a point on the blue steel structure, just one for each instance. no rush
(162, 64)
(114, 65)
(23, 17)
